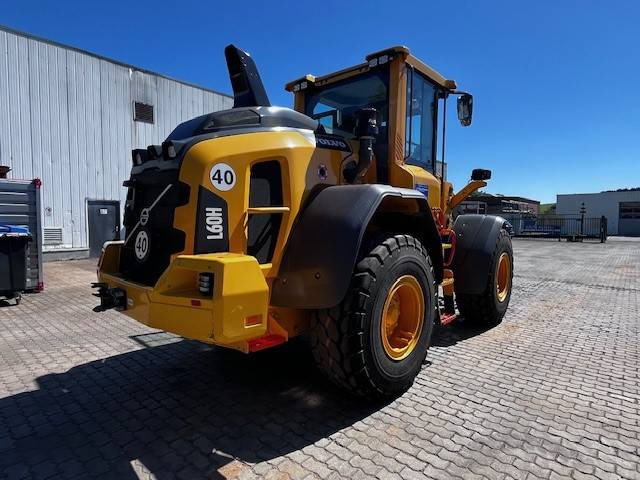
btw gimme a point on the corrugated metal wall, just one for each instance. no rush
(67, 118)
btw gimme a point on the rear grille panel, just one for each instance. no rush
(162, 240)
(154, 193)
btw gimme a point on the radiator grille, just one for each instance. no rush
(162, 239)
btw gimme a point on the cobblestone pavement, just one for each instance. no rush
(551, 392)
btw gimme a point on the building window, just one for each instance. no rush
(629, 210)
(472, 207)
(142, 112)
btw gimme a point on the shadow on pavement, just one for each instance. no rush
(180, 408)
(455, 332)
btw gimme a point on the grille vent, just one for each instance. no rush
(52, 236)
(142, 112)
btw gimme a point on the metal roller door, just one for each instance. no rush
(629, 219)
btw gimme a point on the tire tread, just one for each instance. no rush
(480, 309)
(337, 336)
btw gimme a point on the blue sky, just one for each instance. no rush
(556, 84)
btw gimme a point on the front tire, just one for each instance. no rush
(373, 344)
(488, 307)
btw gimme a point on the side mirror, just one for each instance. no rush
(480, 174)
(465, 109)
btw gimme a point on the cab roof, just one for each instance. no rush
(372, 60)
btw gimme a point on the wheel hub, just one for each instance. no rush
(402, 317)
(503, 277)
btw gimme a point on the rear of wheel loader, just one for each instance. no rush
(250, 226)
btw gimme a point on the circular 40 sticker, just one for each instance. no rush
(222, 177)
(141, 245)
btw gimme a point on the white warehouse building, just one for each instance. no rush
(71, 118)
(621, 208)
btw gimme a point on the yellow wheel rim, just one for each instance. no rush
(402, 317)
(503, 277)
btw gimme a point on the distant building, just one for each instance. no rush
(622, 208)
(71, 118)
(499, 205)
(547, 208)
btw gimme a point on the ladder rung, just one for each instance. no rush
(267, 210)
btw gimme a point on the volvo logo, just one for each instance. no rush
(144, 216)
(329, 142)
(332, 143)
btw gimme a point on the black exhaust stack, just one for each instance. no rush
(248, 90)
(366, 131)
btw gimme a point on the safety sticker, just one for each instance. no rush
(223, 177)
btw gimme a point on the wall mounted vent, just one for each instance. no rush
(142, 112)
(52, 236)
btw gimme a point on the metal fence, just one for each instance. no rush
(571, 227)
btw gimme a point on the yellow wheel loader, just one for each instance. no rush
(250, 226)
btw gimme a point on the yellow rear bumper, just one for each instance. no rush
(233, 315)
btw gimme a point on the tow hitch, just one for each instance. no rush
(109, 297)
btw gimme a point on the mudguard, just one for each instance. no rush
(323, 246)
(476, 237)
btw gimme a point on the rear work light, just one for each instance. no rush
(205, 284)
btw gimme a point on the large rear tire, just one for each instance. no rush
(373, 344)
(488, 307)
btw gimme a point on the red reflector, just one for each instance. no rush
(265, 342)
(40, 287)
(446, 319)
(252, 320)
(196, 303)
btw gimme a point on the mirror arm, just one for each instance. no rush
(463, 194)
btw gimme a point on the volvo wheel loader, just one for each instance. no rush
(250, 226)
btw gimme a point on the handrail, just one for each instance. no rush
(267, 210)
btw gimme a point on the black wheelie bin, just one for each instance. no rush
(13, 261)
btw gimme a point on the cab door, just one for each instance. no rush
(420, 128)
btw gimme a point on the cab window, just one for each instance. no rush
(422, 111)
(335, 105)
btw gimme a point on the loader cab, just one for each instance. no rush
(410, 100)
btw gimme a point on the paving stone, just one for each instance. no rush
(551, 392)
